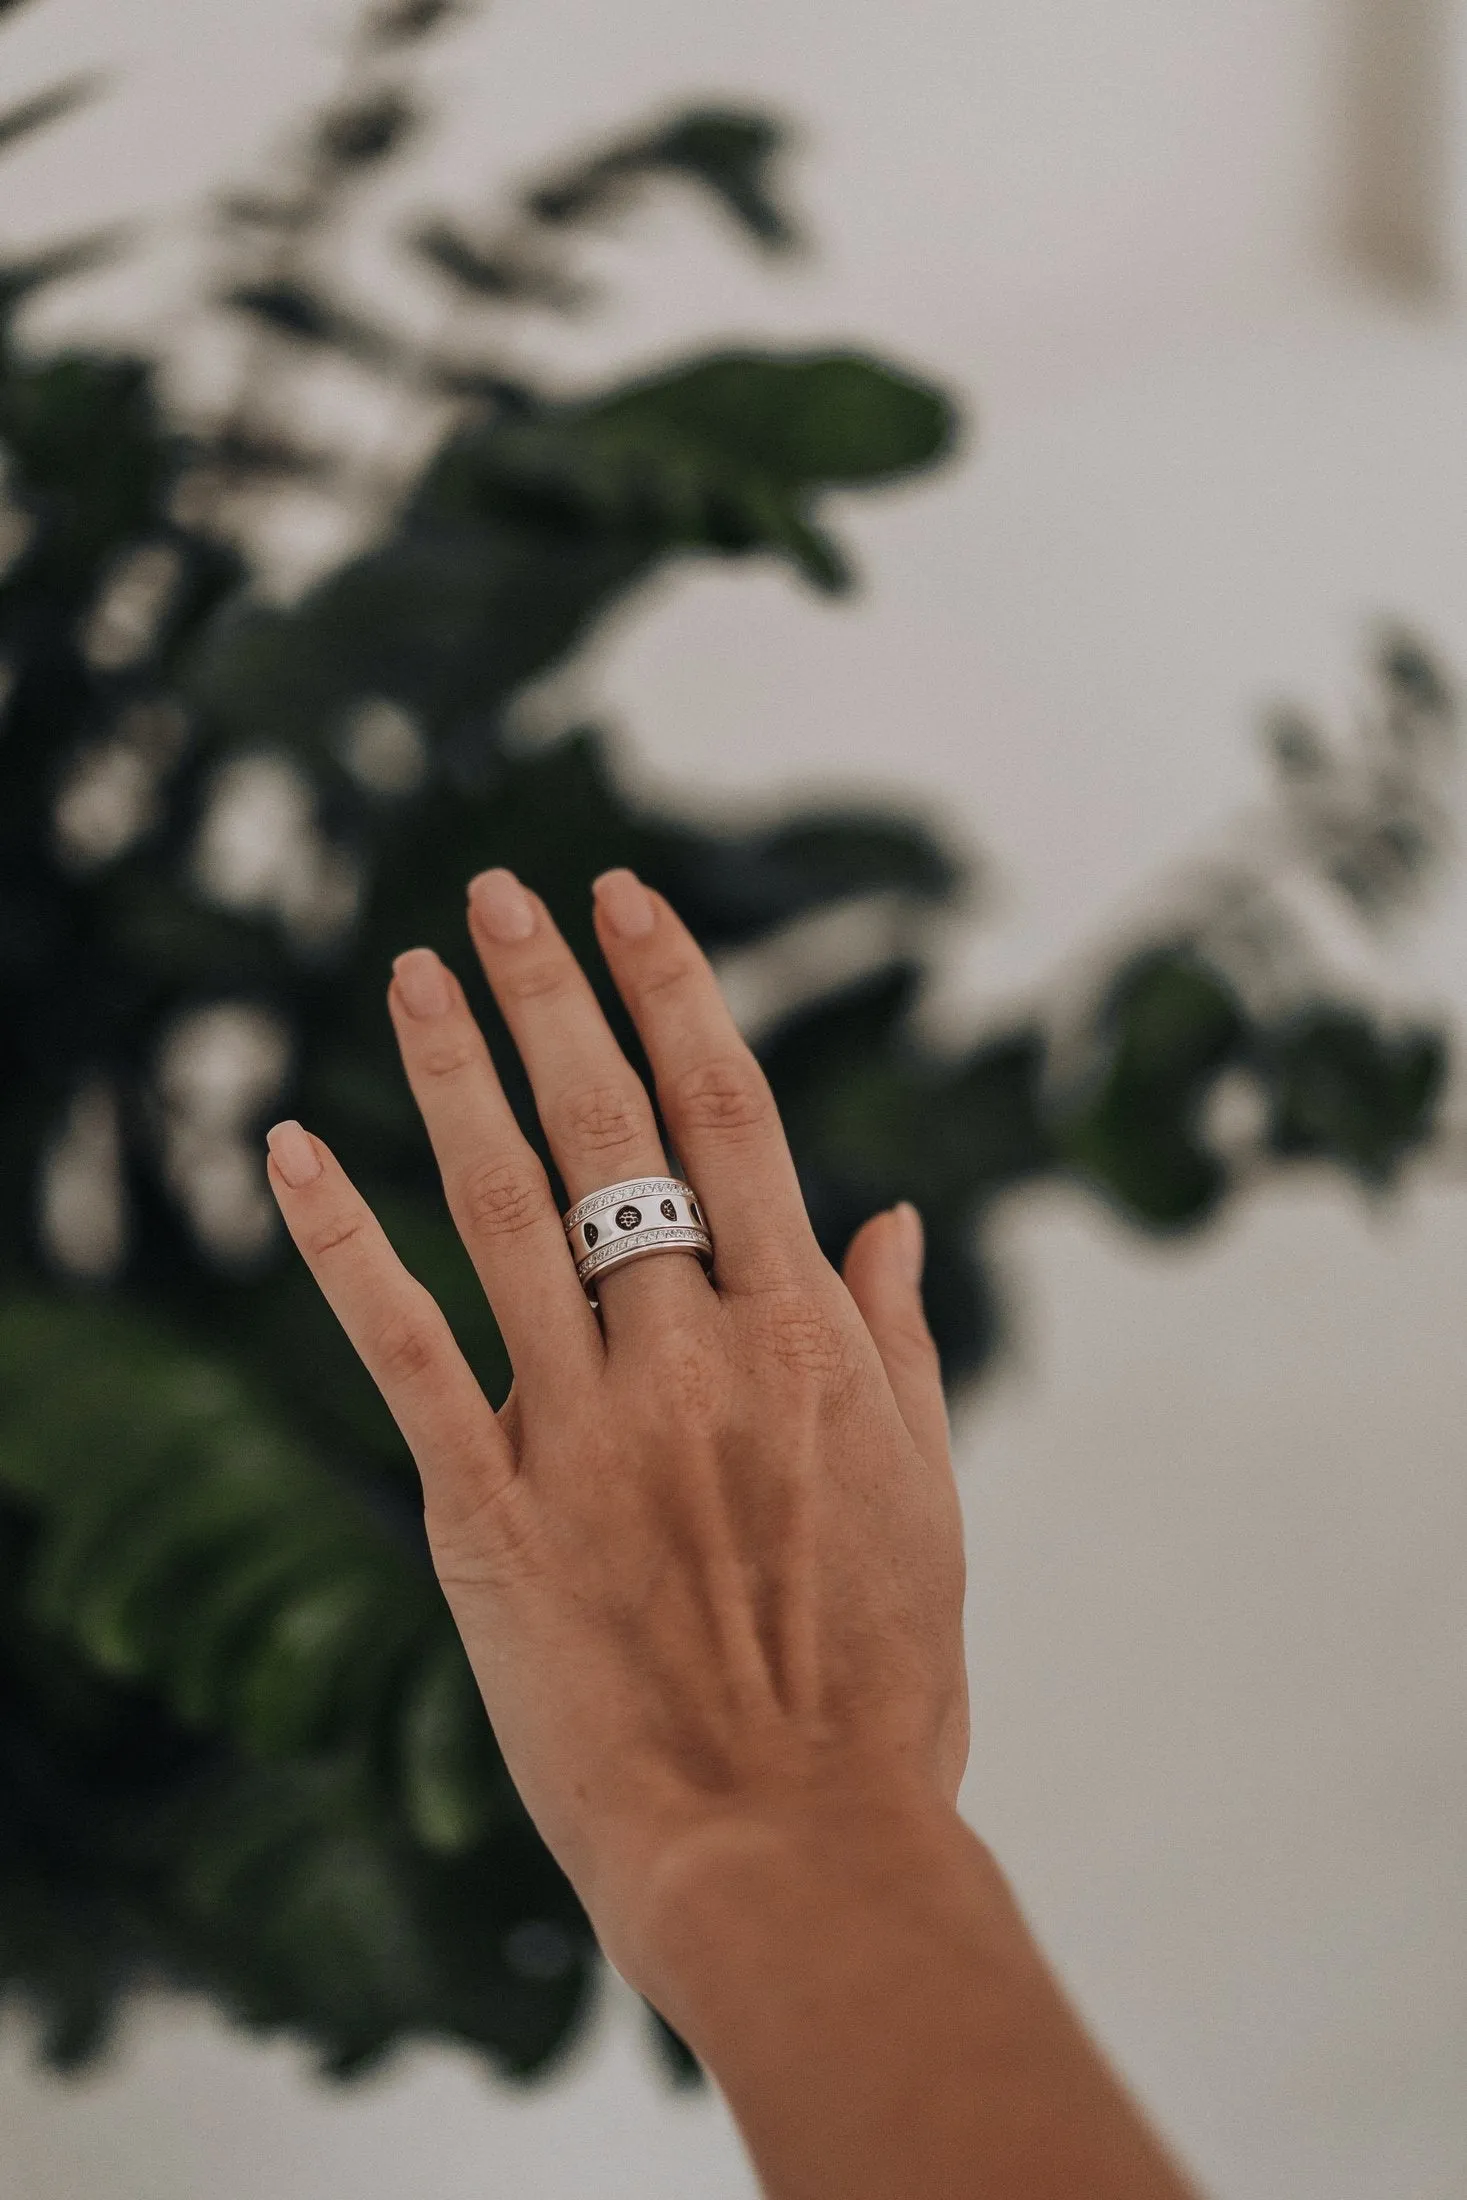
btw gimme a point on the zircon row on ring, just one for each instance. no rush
(622, 1222)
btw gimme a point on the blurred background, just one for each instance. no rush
(1155, 1017)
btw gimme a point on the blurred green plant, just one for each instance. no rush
(239, 1747)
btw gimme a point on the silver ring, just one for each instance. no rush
(626, 1222)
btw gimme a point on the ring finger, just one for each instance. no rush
(593, 1106)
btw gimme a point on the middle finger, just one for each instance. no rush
(591, 1102)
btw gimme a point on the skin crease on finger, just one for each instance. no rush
(708, 1566)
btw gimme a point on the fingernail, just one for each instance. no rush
(502, 906)
(625, 903)
(422, 982)
(293, 1154)
(913, 1238)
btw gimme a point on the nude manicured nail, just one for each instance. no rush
(422, 982)
(293, 1154)
(913, 1239)
(625, 903)
(502, 906)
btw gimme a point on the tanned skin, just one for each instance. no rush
(707, 1562)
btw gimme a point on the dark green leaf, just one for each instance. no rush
(1168, 1028)
(1411, 670)
(828, 418)
(255, 210)
(44, 108)
(860, 853)
(258, 457)
(89, 458)
(291, 309)
(366, 132)
(725, 454)
(1345, 1091)
(400, 22)
(19, 279)
(453, 1780)
(726, 151)
(205, 1552)
(498, 276)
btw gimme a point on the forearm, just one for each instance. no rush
(882, 2024)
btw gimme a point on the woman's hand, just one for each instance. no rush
(708, 1564)
(707, 1560)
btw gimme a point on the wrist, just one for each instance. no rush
(855, 1974)
(732, 1903)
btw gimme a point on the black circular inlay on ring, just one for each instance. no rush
(590, 1233)
(693, 1211)
(669, 1210)
(628, 1217)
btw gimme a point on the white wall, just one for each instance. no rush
(982, 176)
(1217, 1507)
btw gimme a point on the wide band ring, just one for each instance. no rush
(626, 1222)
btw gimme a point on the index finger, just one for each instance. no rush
(397, 1328)
(715, 1098)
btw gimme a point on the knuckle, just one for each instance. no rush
(406, 1349)
(804, 1337)
(668, 978)
(446, 1055)
(501, 1198)
(331, 1234)
(728, 1093)
(598, 1117)
(538, 978)
(486, 1545)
